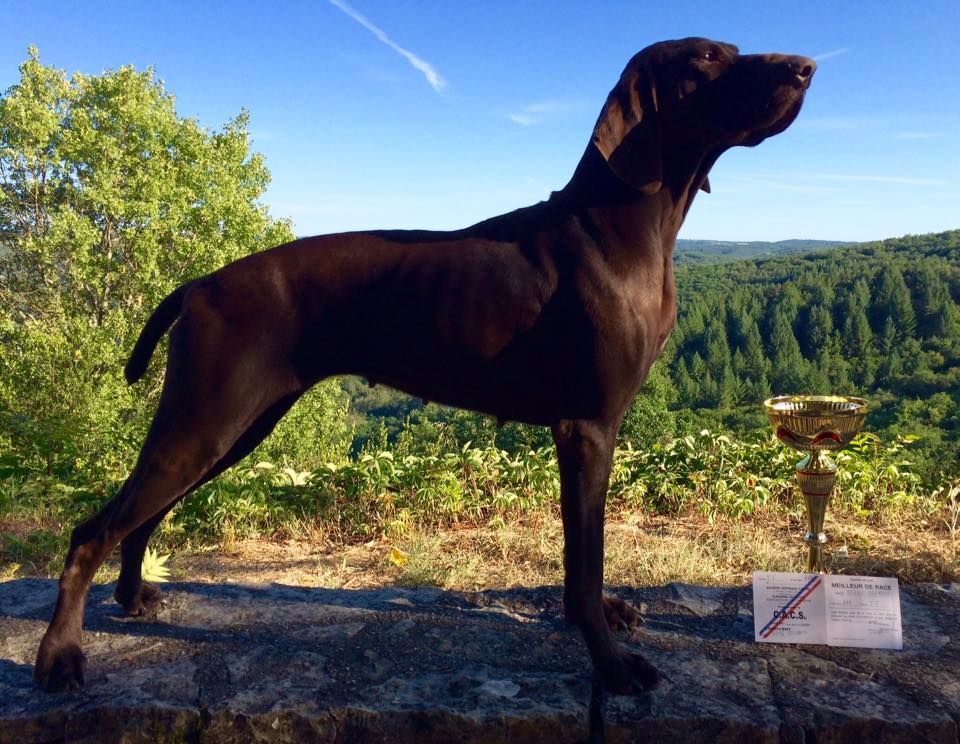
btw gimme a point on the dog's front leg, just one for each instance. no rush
(585, 455)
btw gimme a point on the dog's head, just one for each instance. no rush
(684, 102)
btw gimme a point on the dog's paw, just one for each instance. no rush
(59, 667)
(619, 615)
(146, 603)
(630, 674)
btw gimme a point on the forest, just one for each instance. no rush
(878, 319)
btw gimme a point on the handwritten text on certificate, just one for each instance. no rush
(863, 611)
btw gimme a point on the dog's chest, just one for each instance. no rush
(646, 314)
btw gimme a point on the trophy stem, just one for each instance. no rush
(816, 474)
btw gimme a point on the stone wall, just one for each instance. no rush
(231, 663)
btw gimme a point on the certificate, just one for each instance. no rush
(857, 611)
(863, 611)
(788, 608)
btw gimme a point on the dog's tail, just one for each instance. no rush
(167, 312)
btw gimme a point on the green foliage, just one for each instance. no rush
(313, 431)
(109, 200)
(649, 419)
(877, 476)
(422, 483)
(379, 492)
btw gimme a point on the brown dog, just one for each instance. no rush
(549, 315)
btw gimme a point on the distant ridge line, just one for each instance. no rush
(713, 251)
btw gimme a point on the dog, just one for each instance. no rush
(548, 315)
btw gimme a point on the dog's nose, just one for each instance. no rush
(803, 68)
(785, 68)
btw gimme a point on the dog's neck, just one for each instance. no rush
(630, 222)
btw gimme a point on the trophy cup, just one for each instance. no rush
(816, 425)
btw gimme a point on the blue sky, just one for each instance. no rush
(436, 114)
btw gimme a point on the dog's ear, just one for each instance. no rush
(627, 134)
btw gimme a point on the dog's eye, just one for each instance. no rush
(708, 64)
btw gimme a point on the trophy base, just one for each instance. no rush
(815, 546)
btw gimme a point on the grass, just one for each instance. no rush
(645, 550)
(641, 550)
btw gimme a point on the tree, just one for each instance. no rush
(891, 302)
(649, 418)
(716, 346)
(830, 360)
(108, 201)
(857, 336)
(788, 365)
(753, 361)
(817, 330)
(937, 312)
(685, 386)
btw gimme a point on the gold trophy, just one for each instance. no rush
(816, 425)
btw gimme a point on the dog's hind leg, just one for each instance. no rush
(141, 598)
(217, 387)
(173, 460)
(161, 477)
(585, 456)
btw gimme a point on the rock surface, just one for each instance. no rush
(232, 663)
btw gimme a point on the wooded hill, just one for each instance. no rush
(714, 251)
(875, 319)
(877, 316)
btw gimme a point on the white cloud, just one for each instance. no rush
(429, 72)
(780, 182)
(535, 113)
(832, 53)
